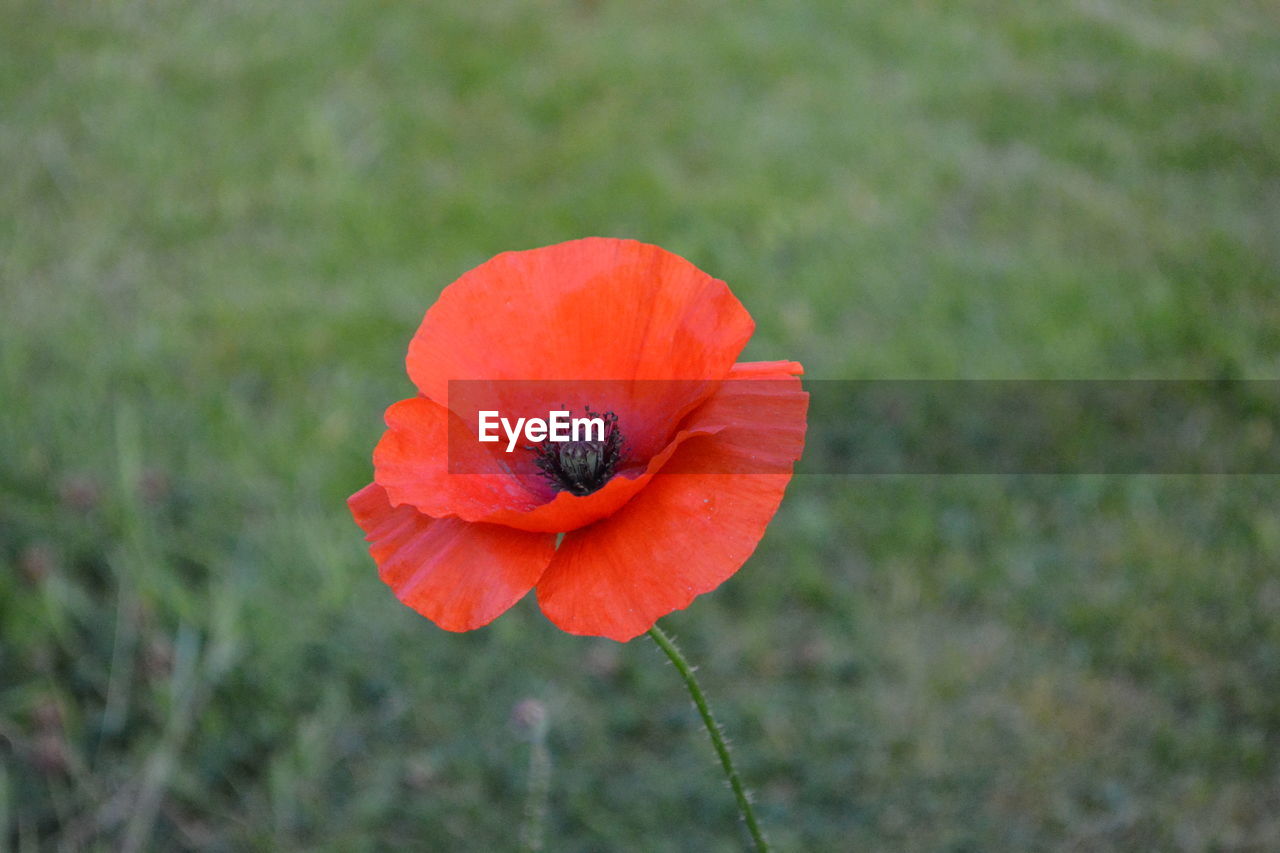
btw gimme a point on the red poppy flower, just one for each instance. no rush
(666, 506)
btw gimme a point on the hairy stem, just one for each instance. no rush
(713, 728)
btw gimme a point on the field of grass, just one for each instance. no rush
(221, 222)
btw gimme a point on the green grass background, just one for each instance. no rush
(221, 222)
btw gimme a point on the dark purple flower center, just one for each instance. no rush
(582, 467)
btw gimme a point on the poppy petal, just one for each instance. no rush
(459, 575)
(685, 533)
(594, 308)
(411, 461)
(762, 411)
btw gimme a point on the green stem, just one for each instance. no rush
(713, 728)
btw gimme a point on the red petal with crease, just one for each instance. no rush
(411, 462)
(596, 308)
(459, 575)
(685, 533)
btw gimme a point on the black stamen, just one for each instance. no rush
(582, 467)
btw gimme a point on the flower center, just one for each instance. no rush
(582, 467)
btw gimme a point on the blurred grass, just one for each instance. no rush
(221, 224)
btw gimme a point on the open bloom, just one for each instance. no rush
(662, 505)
